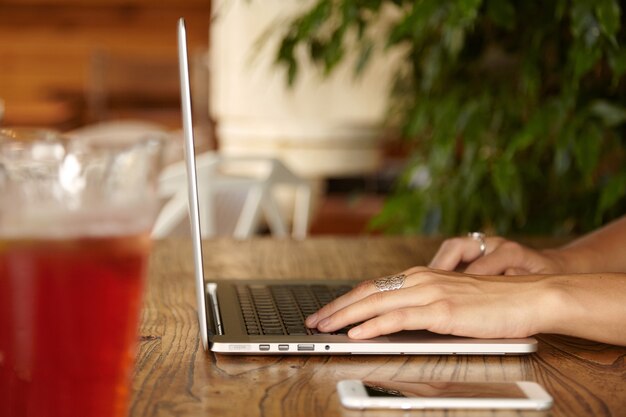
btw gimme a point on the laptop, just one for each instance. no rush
(267, 316)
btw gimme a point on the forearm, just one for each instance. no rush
(601, 251)
(590, 306)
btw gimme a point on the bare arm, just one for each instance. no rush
(602, 250)
(591, 306)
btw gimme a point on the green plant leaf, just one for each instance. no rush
(611, 114)
(583, 59)
(463, 12)
(431, 67)
(286, 56)
(310, 22)
(584, 24)
(334, 51)
(364, 56)
(453, 39)
(608, 14)
(416, 22)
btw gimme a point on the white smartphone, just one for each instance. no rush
(443, 395)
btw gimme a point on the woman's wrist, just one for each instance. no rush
(572, 259)
(551, 306)
(589, 306)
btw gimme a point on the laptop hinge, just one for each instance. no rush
(214, 321)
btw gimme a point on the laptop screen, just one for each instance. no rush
(192, 180)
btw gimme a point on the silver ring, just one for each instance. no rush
(480, 238)
(392, 282)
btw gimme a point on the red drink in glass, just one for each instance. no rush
(69, 311)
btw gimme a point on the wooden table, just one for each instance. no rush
(175, 377)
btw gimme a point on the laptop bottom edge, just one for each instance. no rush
(485, 347)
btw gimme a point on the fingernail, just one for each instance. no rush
(324, 323)
(311, 320)
(355, 332)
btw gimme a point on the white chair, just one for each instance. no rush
(257, 178)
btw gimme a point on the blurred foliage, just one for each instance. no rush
(517, 108)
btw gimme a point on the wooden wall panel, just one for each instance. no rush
(47, 47)
(110, 3)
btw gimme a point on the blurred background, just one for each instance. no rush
(435, 117)
(68, 63)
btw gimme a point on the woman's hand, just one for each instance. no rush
(592, 306)
(501, 257)
(441, 302)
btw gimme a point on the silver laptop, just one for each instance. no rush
(267, 317)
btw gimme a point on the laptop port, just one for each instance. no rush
(308, 347)
(283, 347)
(264, 347)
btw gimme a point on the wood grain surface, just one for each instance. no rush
(175, 377)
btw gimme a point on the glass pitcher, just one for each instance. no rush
(75, 220)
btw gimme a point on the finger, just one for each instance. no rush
(414, 318)
(460, 249)
(507, 255)
(379, 303)
(450, 254)
(359, 292)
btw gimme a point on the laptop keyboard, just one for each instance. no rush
(281, 309)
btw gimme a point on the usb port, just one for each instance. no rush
(264, 347)
(283, 347)
(306, 347)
